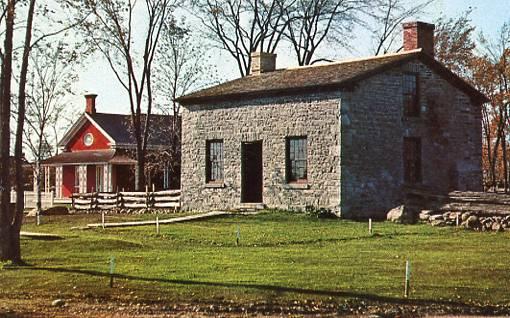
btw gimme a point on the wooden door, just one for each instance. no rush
(251, 172)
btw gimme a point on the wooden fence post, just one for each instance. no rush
(147, 197)
(153, 196)
(117, 198)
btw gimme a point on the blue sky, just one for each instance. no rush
(488, 16)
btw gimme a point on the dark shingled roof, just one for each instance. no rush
(320, 78)
(118, 126)
(89, 156)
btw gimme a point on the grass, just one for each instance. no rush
(281, 257)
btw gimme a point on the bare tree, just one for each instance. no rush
(48, 87)
(311, 23)
(111, 31)
(11, 219)
(244, 26)
(388, 18)
(183, 66)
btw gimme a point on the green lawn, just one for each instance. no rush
(281, 257)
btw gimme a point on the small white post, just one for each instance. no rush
(38, 217)
(457, 222)
(157, 225)
(102, 219)
(370, 226)
(408, 279)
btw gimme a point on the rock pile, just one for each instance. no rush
(468, 220)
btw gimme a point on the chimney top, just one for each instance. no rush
(90, 103)
(419, 35)
(262, 62)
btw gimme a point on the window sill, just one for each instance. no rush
(215, 185)
(297, 186)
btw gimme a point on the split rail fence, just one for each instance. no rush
(127, 200)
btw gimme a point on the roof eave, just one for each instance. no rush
(345, 84)
(475, 95)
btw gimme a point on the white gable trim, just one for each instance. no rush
(78, 125)
(110, 139)
(72, 131)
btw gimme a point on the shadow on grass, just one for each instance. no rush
(265, 287)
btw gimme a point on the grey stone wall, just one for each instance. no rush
(373, 128)
(270, 120)
(362, 177)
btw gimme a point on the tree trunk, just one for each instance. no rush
(38, 204)
(6, 239)
(140, 168)
(504, 160)
(18, 147)
(494, 161)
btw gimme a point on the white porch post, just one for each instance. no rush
(107, 178)
(83, 178)
(58, 181)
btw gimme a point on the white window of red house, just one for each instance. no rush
(88, 139)
(296, 159)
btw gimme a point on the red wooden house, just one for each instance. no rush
(98, 151)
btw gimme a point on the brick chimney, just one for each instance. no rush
(262, 62)
(419, 35)
(90, 103)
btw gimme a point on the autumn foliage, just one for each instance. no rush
(486, 65)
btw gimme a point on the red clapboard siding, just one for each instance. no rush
(100, 141)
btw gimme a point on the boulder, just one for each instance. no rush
(426, 212)
(497, 227)
(438, 223)
(437, 217)
(424, 217)
(401, 214)
(58, 303)
(450, 222)
(465, 216)
(472, 222)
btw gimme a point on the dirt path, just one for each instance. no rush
(37, 306)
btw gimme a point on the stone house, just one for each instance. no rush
(348, 136)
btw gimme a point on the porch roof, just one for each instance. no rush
(90, 156)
